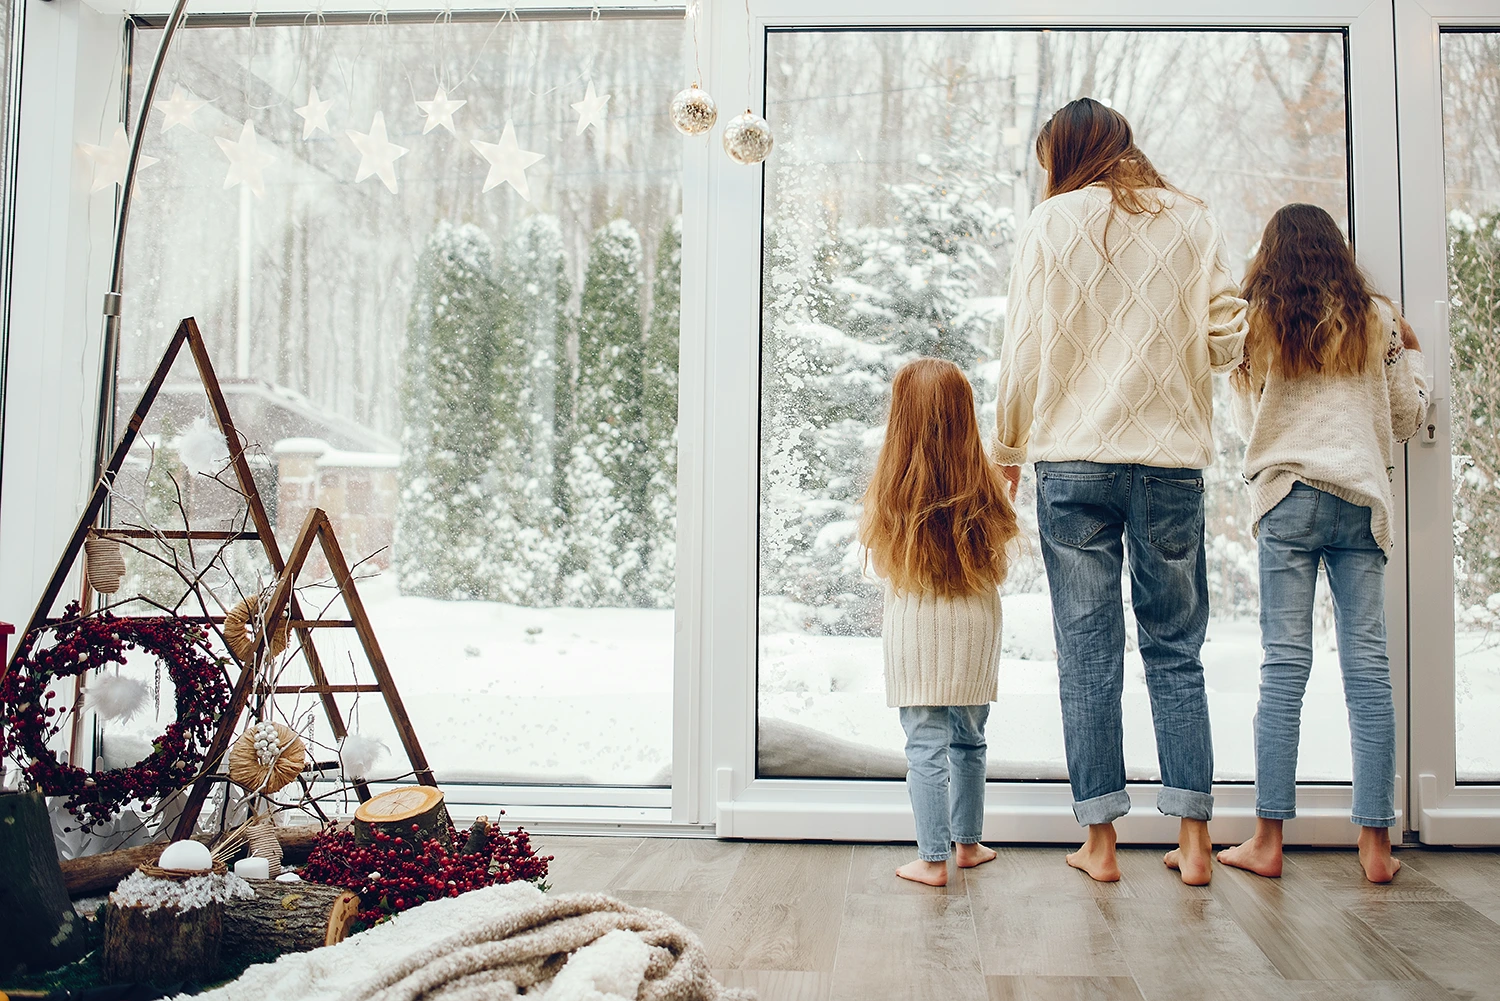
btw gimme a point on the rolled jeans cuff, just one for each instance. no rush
(1372, 822)
(1104, 809)
(1185, 803)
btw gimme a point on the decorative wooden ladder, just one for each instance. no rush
(316, 528)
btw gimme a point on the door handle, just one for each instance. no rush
(1439, 370)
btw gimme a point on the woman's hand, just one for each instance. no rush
(1012, 476)
(1409, 336)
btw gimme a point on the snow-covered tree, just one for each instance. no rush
(660, 416)
(450, 420)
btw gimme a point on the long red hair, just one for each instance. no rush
(937, 516)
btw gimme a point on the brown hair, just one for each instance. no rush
(1086, 143)
(1310, 304)
(937, 516)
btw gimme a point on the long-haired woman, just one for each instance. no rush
(1331, 375)
(1121, 308)
(936, 526)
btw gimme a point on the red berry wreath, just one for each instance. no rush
(82, 644)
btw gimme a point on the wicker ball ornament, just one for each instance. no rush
(747, 138)
(242, 630)
(266, 757)
(103, 564)
(693, 111)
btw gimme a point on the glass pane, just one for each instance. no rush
(1471, 161)
(904, 165)
(468, 358)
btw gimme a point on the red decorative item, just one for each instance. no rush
(395, 873)
(82, 644)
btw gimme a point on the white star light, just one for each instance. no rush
(111, 162)
(508, 161)
(439, 111)
(590, 110)
(377, 154)
(246, 160)
(178, 109)
(314, 114)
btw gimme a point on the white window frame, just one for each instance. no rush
(1444, 811)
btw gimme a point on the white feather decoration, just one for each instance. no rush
(358, 754)
(115, 697)
(202, 448)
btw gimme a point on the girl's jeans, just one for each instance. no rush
(945, 775)
(1307, 527)
(1089, 514)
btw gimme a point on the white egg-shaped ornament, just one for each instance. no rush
(693, 111)
(186, 856)
(747, 138)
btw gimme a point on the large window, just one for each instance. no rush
(904, 166)
(439, 276)
(1471, 160)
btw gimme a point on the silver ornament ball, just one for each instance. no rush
(747, 138)
(693, 111)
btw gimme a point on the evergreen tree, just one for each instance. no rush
(450, 411)
(608, 481)
(660, 416)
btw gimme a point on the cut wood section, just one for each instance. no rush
(287, 917)
(164, 946)
(95, 874)
(395, 812)
(37, 925)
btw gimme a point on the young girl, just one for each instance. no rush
(1331, 374)
(937, 522)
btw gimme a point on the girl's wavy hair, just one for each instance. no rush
(937, 514)
(1310, 304)
(1086, 143)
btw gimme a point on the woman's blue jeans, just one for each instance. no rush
(1089, 513)
(945, 775)
(1311, 526)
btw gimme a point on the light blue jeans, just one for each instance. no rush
(1090, 515)
(945, 775)
(1308, 527)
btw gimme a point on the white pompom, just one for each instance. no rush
(189, 856)
(359, 753)
(115, 697)
(202, 448)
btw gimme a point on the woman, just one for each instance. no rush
(1121, 307)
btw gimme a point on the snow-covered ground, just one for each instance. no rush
(1478, 706)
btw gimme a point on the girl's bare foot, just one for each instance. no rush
(1375, 854)
(920, 871)
(1097, 856)
(968, 856)
(1193, 856)
(1261, 854)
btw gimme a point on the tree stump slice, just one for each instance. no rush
(286, 917)
(38, 927)
(395, 812)
(164, 946)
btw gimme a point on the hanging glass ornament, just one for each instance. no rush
(747, 138)
(693, 111)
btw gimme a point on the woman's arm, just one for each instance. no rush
(1227, 322)
(1020, 353)
(1406, 380)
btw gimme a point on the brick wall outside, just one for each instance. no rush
(357, 489)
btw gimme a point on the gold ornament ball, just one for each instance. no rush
(693, 111)
(747, 138)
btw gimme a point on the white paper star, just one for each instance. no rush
(590, 110)
(508, 161)
(111, 162)
(246, 160)
(439, 111)
(377, 154)
(314, 114)
(178, 109)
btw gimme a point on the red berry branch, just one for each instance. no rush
(396, 872)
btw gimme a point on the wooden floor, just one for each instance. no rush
(826, 922)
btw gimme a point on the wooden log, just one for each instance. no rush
(164, 946)
(395, 812)
(38, 927)
(94, 874)
(286, 917)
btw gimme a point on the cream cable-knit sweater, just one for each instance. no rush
(941, 651)
(1112, 360)
(1334, 432)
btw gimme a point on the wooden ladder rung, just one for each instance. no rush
(315, 689)
(205, 535)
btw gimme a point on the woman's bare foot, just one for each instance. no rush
(1193, 857)
(1261, 854)
(968, 856)
(920, 871)
(1097, 856)
(1375, 854)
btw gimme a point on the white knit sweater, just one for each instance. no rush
(1334, 432)
(1111, 360)
(941, 651)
